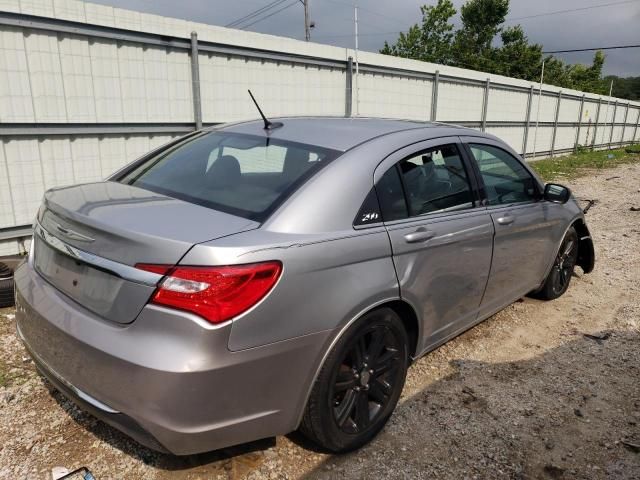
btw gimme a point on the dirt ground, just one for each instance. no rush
(523, 395)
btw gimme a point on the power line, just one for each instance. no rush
(506, 20)
(359, 34)
(591, 49)
(569, 10)
(271, 14)
(255, 13)
(384, 15)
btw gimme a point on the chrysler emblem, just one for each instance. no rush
(72, 235)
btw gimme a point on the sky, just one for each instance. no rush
(380, 20)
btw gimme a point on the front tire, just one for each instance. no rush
(359, 384)
(557, 282)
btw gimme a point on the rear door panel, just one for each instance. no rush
(445, 277)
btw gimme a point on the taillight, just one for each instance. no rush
(215, 293)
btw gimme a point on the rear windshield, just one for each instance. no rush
(244, 175)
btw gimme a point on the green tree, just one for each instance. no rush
(517, 58)
(624, 87)
(589, 78)
(576, 76)
(481, 22)
(473, 46)
(431, 41)
(556, 72)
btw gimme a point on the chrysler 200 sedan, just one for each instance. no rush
(249, 280)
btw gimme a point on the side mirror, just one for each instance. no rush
(556, 193)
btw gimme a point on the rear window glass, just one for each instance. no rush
(244, 175)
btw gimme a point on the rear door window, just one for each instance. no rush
(435, 180)
(245, 175)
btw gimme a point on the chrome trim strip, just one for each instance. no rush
(126, 272)
(191, 316)
(89, 399)
(84, 396)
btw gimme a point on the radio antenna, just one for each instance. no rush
(268, 125)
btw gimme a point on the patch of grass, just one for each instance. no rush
(572, 166)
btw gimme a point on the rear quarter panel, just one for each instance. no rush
(327, 280)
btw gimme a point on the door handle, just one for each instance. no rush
(506, 219)
(420, 235)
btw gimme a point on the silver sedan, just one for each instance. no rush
(244, 282)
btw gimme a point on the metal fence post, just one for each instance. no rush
(555, 123)
(485, 104)
(595, 127)
(575, 146)
(349, 90)
(195, 82)
(624, 125)
(635, 130)
(434, 96)
(526, 123)
(613, 122)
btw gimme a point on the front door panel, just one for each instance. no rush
(525, 226)
(525, 241)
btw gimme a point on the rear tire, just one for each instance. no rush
(7, 298)
(359, 384)
(558, 279)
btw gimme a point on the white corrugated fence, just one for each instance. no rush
(86, 88)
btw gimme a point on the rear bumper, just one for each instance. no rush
(111, 417)
(167, 380)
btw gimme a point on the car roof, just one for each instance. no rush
(340, 133)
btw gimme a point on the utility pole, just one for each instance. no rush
(535, 132)
(606, 113)
(355, 26)
(307, 28)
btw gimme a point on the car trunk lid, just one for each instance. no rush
(95, 234)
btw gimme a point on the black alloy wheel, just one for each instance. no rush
(359, 383)
(365, 379)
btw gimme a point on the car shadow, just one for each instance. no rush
(572, 411)
(217, 459)
(562, 412)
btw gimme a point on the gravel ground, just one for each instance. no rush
(523, 395)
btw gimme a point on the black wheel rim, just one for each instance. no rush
(565, 263)
(366, 379)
